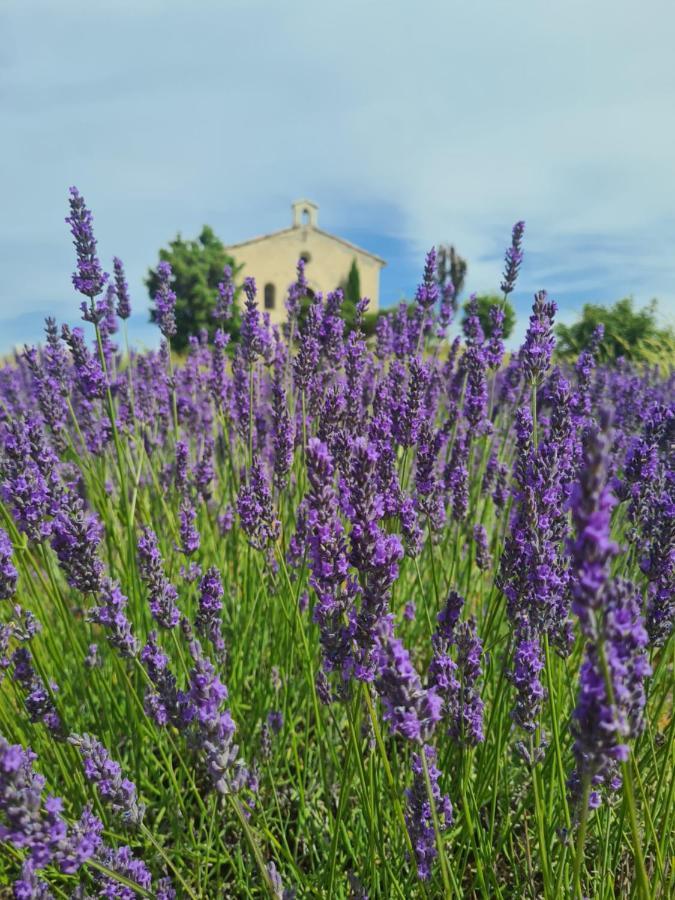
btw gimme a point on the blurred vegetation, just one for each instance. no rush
(451, 267)
(197, 270)
(634, 334)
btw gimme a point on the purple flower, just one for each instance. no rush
(28, 478)
(409, 709)
(297, 291)
(121, 290)
(212, 726)
(162, 595)
(122, 862)
(100, 770)
(533, 568)
(476, 395)
(468, 719)
(75, 539)
(411, 530)
(33, 823)
(282, 433)
(412, 414)
(255, 508)
(93, 658)
(428, 495)
(164, 703)
(208, 620)
(306, 362)
(219, 383)
(254, 338)
(49, 396)
(331, 331)
(111, 614)
(225, 299)
(28, 886)
(427, 293)
(456, 681)
(8, 573)
(89, 279)
(483, 555)
(165, 301)
(275, 720)
(226, 521)
(328, 561)
(419, 815)
(88, 372)
(610, 707)
(456, 476)
(513, 258)
(181, 468)
(189, 536)
(38, 697)
(446, 310)
(494, 351)
(535, 354)
(528, 662)
(592, 550)
(584, 367)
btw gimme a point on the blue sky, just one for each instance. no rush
(407, 123)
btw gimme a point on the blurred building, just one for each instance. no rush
(272, 259)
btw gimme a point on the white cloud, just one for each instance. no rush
(436, 121)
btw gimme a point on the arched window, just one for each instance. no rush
(270, 296)
(305, 216)
(305, 256)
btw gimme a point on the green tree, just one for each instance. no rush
(352, 292)
(632, 333)
(197, 270)
(452, 267)
(484, 302)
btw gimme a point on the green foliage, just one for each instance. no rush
(353, 285)
(632, 333)
(197, 269)
(352, 291)
(484, 303)
(451, 267)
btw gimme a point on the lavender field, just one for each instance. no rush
(322, 616)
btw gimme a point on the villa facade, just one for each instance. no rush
(272, 259)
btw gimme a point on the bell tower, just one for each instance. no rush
(305, 214)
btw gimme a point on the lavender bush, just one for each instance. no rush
(324, 617)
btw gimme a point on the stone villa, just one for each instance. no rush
(272, 258)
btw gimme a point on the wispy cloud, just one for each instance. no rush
(409, 124)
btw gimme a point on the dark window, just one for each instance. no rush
(305, 256)
(270, 292)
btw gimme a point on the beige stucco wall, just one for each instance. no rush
(273, 259)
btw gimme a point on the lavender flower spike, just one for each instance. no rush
(165, 301)
(535, 354)
(428, 293)
(225, 299)
(162, 594)
(256, 511)
(513, 258)
(116, 791)
(111, 614)
(611, 700)
(121, 289)
(419, 815)
(36, 824)
(89, 279)
(8, 573)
